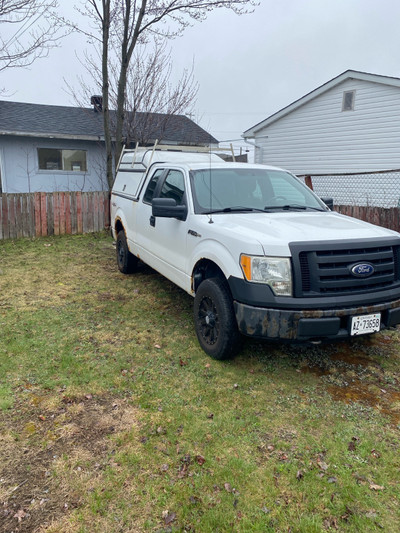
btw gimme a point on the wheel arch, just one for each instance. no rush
(205, 269)
(118, 225)
(212, 260)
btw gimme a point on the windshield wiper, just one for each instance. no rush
(235, 209)
(242, 209)
(288, 207)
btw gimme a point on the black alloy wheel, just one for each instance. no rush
(215, 320)
(126, 261)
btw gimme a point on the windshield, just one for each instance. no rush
(233, 189)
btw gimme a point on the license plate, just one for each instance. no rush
(365, 324)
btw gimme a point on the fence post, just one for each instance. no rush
(308, 182)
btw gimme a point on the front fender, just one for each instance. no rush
(218, 254)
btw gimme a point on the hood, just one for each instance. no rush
(274, 231)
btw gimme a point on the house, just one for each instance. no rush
(348, 125)
(56, 148)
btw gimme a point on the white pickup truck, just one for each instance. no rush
(262, 255)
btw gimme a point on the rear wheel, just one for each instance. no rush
(126, 261)
(215, 321)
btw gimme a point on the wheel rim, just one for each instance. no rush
(208, 321)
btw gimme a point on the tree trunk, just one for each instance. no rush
(127, 47)
(105, 94)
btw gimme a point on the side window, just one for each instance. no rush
(151, 187)
(174, 186)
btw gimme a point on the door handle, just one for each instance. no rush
(152, 221)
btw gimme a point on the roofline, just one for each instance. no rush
(64, 136)
(93, 138)
(355, 74)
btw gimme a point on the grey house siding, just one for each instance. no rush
(20, 167)
(319, 137)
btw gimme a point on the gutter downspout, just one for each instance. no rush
(256, 145)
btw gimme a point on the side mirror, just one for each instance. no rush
(167, 208)
(328, 202)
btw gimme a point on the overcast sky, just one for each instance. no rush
(251, 66)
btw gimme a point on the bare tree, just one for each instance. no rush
(149, 91)
(29, 28)
(152, 98)
(123, 24)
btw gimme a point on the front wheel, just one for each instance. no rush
(215, 321)
(126, 261)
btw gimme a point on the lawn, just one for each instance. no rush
(112, 419)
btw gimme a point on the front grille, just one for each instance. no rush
(325, 270)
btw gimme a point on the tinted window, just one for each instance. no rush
(174, 186)
(151, 187)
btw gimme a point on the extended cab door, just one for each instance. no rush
(162, 241)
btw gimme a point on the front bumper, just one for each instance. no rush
(303, 325)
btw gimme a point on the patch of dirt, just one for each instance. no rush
(37, 438)
(385, 401)
(352, 372)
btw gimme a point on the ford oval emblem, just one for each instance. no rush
(362, 270)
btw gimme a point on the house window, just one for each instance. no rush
(348, 100)
(67, 160)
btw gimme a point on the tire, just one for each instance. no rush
(215, 321)
(126, 261)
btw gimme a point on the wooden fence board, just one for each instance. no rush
(61, 200)
(90, 213)
(43, 213)
(11, 217)
(56, 214)
(37, 215)
(73, 214)
(6, 232)
(79, 222)
(96, 211)
(67, 213)
(24, 215)
(50, 214)
(106, 209)
(18, 215)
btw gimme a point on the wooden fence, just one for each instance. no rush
(386, 217)
(33, 215)
(38, 214)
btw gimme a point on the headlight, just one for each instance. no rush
(274, 271)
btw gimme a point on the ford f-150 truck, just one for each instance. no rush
(262, 255)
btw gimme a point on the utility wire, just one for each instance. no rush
(19, 32)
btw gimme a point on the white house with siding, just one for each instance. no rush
(351, 124)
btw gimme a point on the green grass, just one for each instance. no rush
(113, 419)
